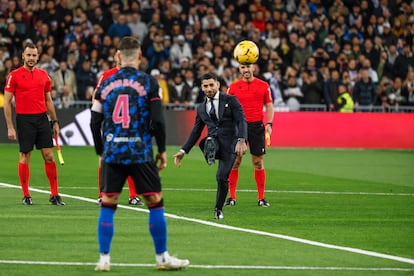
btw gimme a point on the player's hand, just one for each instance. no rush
(177, 158)
(11, 133)
(161, 160)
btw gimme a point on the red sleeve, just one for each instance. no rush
(268, 95)
(48, 84)
(10, 83)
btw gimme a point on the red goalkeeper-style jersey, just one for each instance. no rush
(106, 75)
(252, 96)
(29, 89)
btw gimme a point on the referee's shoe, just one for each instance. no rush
(56, 200)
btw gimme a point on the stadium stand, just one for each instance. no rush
(303, 39)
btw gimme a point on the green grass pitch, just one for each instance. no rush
(333, 212)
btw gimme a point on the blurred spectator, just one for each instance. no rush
(12, 38)
(301, 53)
(74, 35)
(48, 63)
(388, 37)
(344, 102)
(274, 78)
(165, 97)
(371, 53)
(293, 94)
(138, 28)
(384, 68)
(331, 89)
(86, 81)
(21, 25)
(180, 93)
(346, 81)
(119, 27)
(65, 84)
(180, 49)
(210, 22)
(408, 87)
(5, 69)
(392, 93)
(403, 62)
(312, 89)
(156, 52)
(193, 84)
(366, 64)
(100, 17)
(365, 91)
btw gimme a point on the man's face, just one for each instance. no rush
(246, 71)
(30, 57)
(210, 87)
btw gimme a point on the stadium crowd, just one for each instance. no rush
(311, 51)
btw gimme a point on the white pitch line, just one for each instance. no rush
(260, 267)
(262, 233)
(255, 191)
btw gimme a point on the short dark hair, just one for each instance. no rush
(208, 76)
(129, 43)
(30, 45)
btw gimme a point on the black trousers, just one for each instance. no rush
(224, 168)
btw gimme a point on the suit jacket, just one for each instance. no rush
(231, 125)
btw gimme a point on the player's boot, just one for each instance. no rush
(104, 263)
(172, 263)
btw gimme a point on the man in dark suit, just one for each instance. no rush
(227, 133)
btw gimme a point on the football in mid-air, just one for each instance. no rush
(246, 52)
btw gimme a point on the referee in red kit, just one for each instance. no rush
(30, 87)
(253, 94)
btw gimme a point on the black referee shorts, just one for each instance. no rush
(146, 178)
(33, 129)
(256, 138)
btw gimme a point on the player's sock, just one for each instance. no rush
(99, 182)
(106, 227)
(161, 257)
(158, 228)
(51, 173)
(131, 187)
(233, 179)
(260, 177)
(24, 175)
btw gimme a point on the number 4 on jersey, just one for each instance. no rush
(121, 111)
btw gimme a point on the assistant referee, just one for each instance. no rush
(30, 87)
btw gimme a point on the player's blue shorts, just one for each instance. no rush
(146, 178)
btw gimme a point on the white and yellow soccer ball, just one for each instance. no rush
(246, 52)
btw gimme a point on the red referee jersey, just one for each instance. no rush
(252, 97)
(106, 75)
(29, 89)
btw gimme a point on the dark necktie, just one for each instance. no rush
(212, 111)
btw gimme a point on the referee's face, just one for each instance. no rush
(30, 57)
(247, 71)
